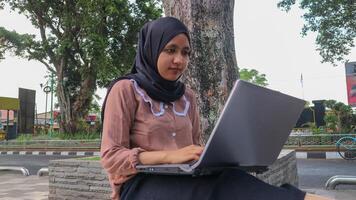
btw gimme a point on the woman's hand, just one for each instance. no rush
(183, 155)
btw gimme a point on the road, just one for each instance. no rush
(32, 162)
(313, 173)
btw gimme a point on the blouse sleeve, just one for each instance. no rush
(194, 115)
(116, 155)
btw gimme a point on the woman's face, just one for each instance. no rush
(174, 58)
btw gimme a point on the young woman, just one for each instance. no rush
(151, 117)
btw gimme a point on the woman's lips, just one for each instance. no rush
(175, 71)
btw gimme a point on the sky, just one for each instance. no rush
(266, 39)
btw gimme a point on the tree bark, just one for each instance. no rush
(85, 95)
(213, 68)
(73, 109)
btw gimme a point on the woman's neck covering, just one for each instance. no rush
(153, 37)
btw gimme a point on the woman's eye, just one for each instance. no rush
(169, 51)
(186, 52)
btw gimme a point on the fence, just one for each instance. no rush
(320, 139)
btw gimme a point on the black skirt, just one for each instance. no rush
(229, 184)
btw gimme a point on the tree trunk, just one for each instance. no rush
(212, 69)
(73, 111)
(66, 122)
(85, 95)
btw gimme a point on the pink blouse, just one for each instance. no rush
(134, 123)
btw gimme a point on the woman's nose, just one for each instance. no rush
(179, 58)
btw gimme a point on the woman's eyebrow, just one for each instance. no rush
(171, 46)
(176, 46)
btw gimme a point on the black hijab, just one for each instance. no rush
(153, 37)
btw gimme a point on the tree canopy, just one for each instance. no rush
(334, 21)
(85, 44)
(253, 76)
(340, 117)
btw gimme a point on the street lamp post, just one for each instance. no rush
(51, 103)
(49, 88)
(46, 89)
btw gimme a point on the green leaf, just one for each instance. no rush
(253, 76)
(86, 44)
(333, 21)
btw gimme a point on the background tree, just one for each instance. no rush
(213, 69)
(253, 76)
(340, 117)
(331, 122)
(83, 43)
(335, 24)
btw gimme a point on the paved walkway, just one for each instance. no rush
(334, 194)
(19, 187)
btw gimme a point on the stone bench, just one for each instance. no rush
(76, 179)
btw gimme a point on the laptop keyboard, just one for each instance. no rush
(192, 162)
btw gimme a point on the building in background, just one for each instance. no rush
(8, 117)
(3, 117)
(43, 119)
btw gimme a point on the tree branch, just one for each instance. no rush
(39, 15)
(47, 66)
(51, 54)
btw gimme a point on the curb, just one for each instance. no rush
(318, 155)
(56, 153)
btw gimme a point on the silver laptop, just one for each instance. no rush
(249, 134)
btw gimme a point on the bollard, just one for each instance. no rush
(23, 170)
(42, 172)
(338, 180)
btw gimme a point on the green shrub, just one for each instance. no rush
(76, 136)
(24, 137)
(90, 158)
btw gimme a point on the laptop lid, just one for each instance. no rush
(252, 128)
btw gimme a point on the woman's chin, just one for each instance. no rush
(172, 78)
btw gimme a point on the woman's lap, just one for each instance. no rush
(230, 184)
